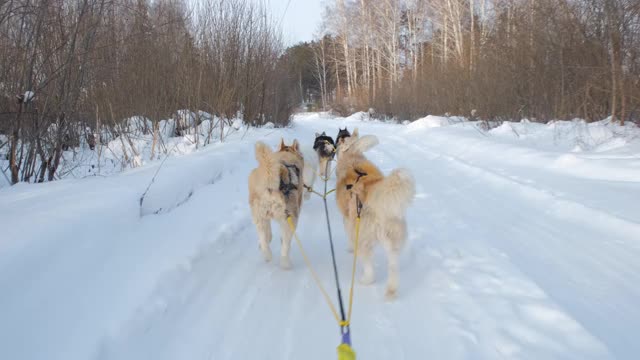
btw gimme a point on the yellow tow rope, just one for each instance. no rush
(344, 350)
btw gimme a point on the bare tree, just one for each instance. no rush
(75, 71)
(539, 59)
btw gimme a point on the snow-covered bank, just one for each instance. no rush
(511, 254)
(132, 144)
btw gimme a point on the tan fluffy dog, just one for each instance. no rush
(275, 192)
(383, 201)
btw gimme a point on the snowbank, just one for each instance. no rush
(132, 145)
(431, 121)
(358, 116)
(577, 148)
(576, 135)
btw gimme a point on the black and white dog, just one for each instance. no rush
(326, 149)
(342, 134)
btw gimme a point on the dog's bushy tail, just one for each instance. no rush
(364, 143)
(395, 193)
(264, 154)
(267, 162)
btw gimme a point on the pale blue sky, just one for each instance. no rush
(301, 18)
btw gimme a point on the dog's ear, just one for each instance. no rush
(324, 133)
(355, 133)
(317, 135)
(282, 145)
(296, 145)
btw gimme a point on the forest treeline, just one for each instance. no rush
(494, 59)
(71, 71)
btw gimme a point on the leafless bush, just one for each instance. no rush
(92, 64)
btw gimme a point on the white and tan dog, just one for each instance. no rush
(275, 192)
(383, 201)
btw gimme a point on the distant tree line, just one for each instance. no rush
(496, 59)
(70, 70)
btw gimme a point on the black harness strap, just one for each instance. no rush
(286, 188)
(360, 174)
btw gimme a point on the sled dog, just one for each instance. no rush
(382, 202)
(325, 149)
(342, 134)
(275, 192)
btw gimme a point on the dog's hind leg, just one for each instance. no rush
(365, 252)
(392, 270)
(263, 226)
(392, 240)
(285, 246)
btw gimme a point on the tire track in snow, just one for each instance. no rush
(410, 325)
(496, 211)
(442, 288)
(461, 251)
(181, 295)
(560, 208)
(461, 295)
(564, 207)
(462, 335)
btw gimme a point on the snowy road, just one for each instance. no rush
(515, 251)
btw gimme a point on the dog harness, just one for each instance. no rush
(286, 188)
(360, 174)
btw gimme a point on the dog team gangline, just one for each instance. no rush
(345, 350)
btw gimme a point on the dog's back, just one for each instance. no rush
(276, 185)
(291, 181)
(392, 194)
(275, 193)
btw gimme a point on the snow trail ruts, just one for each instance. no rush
(563, 256)
(499, 263)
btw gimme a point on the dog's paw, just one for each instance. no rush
(266, 253)
(391, 294)
(285, 263)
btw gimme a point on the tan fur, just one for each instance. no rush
(384, 202)
(268, 202)
(323, 166)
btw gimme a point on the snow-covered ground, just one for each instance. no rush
(524, 244)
